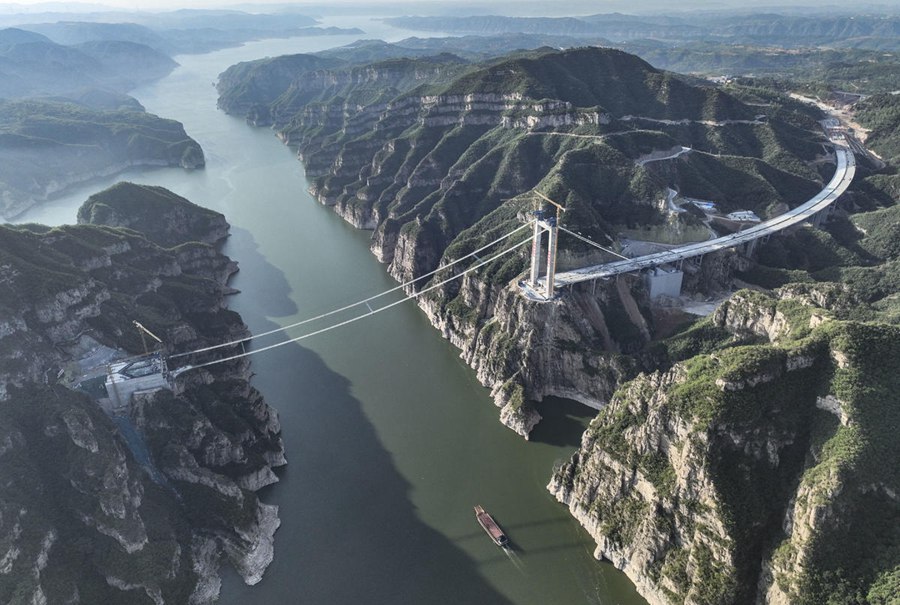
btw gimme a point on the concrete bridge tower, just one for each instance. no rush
(551, 226)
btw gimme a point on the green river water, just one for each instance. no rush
(389, 437)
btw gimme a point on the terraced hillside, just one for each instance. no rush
(421, 150)
(737, 461)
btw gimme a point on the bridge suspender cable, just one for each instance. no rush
(364, 315)
(364, 301)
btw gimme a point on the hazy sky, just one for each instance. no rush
(429, 6)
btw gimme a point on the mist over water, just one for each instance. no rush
(389, 437)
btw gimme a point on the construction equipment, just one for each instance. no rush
(143, 331)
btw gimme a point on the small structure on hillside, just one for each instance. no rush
(703, 205)
(744, 216)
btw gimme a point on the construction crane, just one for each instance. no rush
(547, 199)
(143, 331)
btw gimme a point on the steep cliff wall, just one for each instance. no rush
(420, 150)
(573, 346)
(438, 157)
(139, 506)
(750, 473)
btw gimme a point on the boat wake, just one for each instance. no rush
(515, 559)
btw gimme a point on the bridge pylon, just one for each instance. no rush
(551, 256)
(536, 249)
(550, 226)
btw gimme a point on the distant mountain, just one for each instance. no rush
(135, 63)
(69, 33)
(791, 31)
(47, 146)
(186, 31)
(12, 36)
(226, 20)
(32, 65)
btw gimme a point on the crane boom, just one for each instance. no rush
(141, 327)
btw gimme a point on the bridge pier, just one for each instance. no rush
(750, 247)
(819, 218)
(536, 250)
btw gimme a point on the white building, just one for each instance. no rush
(744, 216)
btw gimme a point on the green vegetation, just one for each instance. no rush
(881, 114)
(732, 393)
(80, 480)
(161, 216)
(44, 144)
(53, 485)
(448, 166)
(860, 252)
(439, 172)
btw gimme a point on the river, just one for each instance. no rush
(389, 437)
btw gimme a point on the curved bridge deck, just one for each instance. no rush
(843, 175)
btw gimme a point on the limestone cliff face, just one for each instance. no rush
(109, 505)
(727, 478)
(571, 347)
(433, 157)
(384, 165)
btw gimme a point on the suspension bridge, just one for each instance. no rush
(536, 287)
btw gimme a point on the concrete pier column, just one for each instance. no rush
(551, 258)
(536, 254)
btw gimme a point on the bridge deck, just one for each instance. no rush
(843, 175)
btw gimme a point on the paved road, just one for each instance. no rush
(843, 175)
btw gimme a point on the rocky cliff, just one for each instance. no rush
(438, 158)
(750, 473)
(107, 504)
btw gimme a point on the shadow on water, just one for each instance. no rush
(277, 301)
(563, 422)
(349, 532)
(479, 534)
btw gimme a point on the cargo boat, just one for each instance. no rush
(487, 523)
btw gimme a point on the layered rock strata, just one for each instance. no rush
(438, 157)
(140, 506)
(741, 475)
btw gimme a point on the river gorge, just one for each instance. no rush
(390, 438)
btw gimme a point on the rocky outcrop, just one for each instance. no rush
(570, 347)
(163, 217)
(146, 502)
(730, 478)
